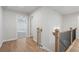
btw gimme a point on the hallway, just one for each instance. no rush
(53, 30)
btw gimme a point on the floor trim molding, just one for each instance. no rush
(6, 41)
(46, 48)
(10, 39)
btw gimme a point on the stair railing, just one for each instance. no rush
(58, 40)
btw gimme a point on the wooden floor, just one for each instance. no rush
(21, 45)
(28, 45)
(74, 47)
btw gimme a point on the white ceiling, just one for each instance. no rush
(23, 9)
(29, 9)
(66, 9)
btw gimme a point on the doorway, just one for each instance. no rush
(22, 27)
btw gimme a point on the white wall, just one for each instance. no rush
(46, 19)
(9, 24)
(69, 21)
(1, 35)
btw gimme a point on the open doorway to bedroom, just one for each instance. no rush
(22, 27)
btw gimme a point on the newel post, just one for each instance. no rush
(39, 37)
(57, 40)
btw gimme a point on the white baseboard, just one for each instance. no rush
(9, 39)
(1, 44)
(13, 39)
(46, 49)
(43, 47)
(6, 41)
